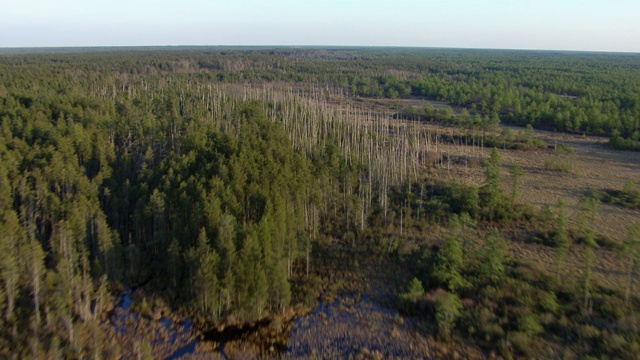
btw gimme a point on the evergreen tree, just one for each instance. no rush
(252, 280)
(414, 292)
(449, 265)
(561, 238)
(448, 307)
(174, 265)
(36, 257)
(226, 247)
(206, 279)
(493, 257)
(10, 269)
(492, 189)
(516, 173)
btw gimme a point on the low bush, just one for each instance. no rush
(628, 196)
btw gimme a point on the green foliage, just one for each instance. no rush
(524, 311)
(436, 202)
(550, 303)
(618, 142)
(448, 308)
(414, 292)
(493, 186)
(561, 159)
(206, 279)
(632, 249)
(516, 173)
(492, 194)
(588, 212)
(558, 165)
(449, 265)
(561, 237)
(144, 168)
(530, 324)
(463, 227)
(628, 196)
(493, 257)
(191, 191)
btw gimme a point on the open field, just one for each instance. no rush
(594, 167)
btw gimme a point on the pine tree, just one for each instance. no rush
(449, 265)
(37, 271)
(226, 247)
(252, 281)
(448, 307)
(561, 238)
(279, 293)
(492, 189)
(516, 173)
(10, 256)
(206, 279)
(414, 292)
(493, 257)
(174, 265)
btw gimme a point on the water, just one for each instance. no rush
(347, 327)
(126, 301)
(189, 349)
(122, 315)
(167, 336)
(351, 327)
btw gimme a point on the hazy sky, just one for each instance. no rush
(612, 25)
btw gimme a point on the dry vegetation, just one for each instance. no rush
(343, 327)
(594, 167)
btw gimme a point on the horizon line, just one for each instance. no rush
(169, 46)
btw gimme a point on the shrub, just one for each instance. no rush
(564, 149)
(628, 196)
(558, 165)
(550, 302)
(619, 143)
(415, 291)
(448, 307)
(588, 332)
(530, 324)
(614, 343)
(491, 331)
(449, 265)
(521, 342)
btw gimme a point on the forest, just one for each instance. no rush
(232, 185)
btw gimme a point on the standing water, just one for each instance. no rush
(166, 338)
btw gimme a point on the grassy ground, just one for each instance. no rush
(593, 167)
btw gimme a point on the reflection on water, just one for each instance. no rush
(188, 349)
(349, 328)
(165, 335)
(125, 305)
(122, 316)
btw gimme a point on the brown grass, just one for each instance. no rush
(594, 167)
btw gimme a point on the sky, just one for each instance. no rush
(585, 25)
